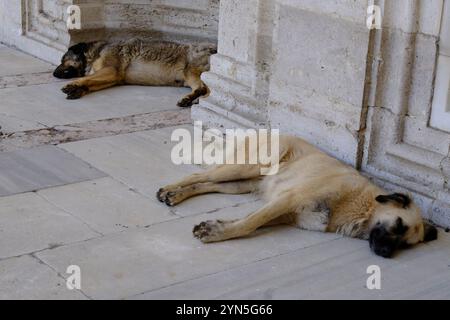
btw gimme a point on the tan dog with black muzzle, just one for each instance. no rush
(100, 65)
(312, 191)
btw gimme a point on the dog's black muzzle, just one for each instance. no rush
(382, 242)
(63, 72)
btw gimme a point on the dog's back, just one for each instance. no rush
(303, 164)
(151, 62)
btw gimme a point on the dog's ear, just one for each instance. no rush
(430, 232)
(79, 48)
(400, 198)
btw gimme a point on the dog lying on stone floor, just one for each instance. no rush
(312, 191)
(100, 65)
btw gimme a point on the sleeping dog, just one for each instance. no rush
(100, 65)
(312, 191)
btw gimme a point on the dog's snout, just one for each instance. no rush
(62, 72)
(382, 242)
(385, 252)
(57, 72)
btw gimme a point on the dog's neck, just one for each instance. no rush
(92, 53)
(359, 207)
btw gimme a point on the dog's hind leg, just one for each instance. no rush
(237, 187)
(102, 79)
(221, 173)
(192, 78)
(219, 230)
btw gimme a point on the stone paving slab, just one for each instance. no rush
(25, 278)
(334, 270)
(132, 262)
(14, 62)
(39, 168)
(419, 273)
(46, 104)
(107, 205)
(142, 160)
(10, 124)
(23, 80)
(263, 279)
(28, 224)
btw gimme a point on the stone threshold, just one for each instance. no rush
(93, 129)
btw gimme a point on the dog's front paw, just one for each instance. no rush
(168, 196)
(161, 195)
(74, 91)
(209, 231)
(185, 103)
(173, 198)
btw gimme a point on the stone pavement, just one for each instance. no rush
(77, 187)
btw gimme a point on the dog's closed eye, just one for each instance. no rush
(399, 198)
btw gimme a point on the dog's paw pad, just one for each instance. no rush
(185, 103)
(202, 230)
(209, 231)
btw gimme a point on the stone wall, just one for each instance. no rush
(36, 27)
(181, 19)
(299, 66)
(313, 69)
(402, 150)
(318, 74)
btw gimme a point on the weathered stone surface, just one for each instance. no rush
(91, 129)
(26, 278)
(28, 223)
(267, 74)
(143, 160)
(334, 138)
(34, 169)
(336, 269)
(440, 213)
(46, 104)
(336, 74)
(107, 205)
(23, 80)
(138, 160)
(413, 16)
(17, 63)
(42, 33)
(132, 262)
(165, 19)
(316, 93)
(10, 124)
